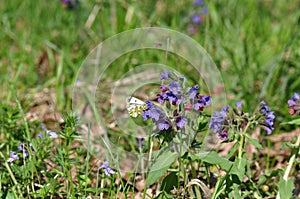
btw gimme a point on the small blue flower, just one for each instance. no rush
(155, 114)
(12, 156)
(164, 75)
(174, 88)
(268, 122)
(204, 101)
(204, 10)
(198, 2)
(264, 109)
(172, 98)
(239, 104)
(293, 100)
(161, 98)
(51, 134)
(181, 121)
(294, 104)
(107, 170)
(193, 91)
(218, 119)
(22, 148)
(163, 124)
(196, 18)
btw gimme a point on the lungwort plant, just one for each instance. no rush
(184, 128)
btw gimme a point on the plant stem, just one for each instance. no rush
(290, 163)
(241, 144)
(102, 186)
(292, 160)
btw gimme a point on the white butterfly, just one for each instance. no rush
(135, 106)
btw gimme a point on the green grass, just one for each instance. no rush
(255, 45)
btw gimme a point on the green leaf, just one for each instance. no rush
(296, 121)
(10, 195)
(169, 182)
(214, 158)
(160, 166)
(240, 167)
(286, 188)
(254, 142)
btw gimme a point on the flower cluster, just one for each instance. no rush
(218, 123)
(294, 104)
(157, 116)
(199, 12)
(178, 99)
(198, 102)
(237, 121)
(24, 148)
(268, 121)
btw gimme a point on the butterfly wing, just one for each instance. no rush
(135, 106)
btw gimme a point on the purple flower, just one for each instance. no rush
(181, 121)
(239, 104)
(147, 112)
(204, 10)
(51, 134)
(201, 103)
(163, 88)
(239, 107)
(294, 104)
(163, 124)
(223, 135)
(264, 109)
(164, 75)
(218, 119)
(268, 122)
(107, 170)
(149, 105)
(161, 98)
(174, 88)
(172, 98)
(12, 156)
(155, 114)
(196, 18)
(198, 3)
(193, 91)
(146, 115)
(40, 135)
(22, 148)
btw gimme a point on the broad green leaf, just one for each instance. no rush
(240, 165)
(214, 158)
(160, 166)
(285, 188)
(10, 195)
(254, 142)
(169, 182)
